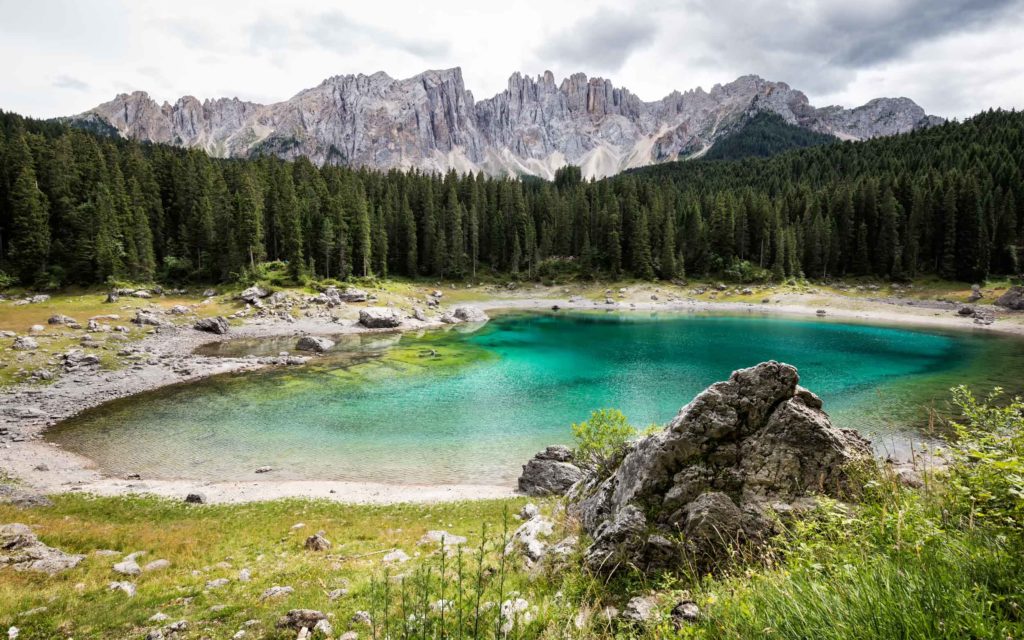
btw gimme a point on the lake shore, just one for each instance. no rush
(167, 357)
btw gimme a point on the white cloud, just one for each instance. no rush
(955, 57)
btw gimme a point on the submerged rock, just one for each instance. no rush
(550, 472)
(314, 343)
(744, 447)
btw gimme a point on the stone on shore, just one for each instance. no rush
(464, 314)
(1013, 299)
(218, 325)
(21, 550)
(380, 318)
(25, 343)
(743, 448)
(143, 318)
(550, 472)
(316, 344)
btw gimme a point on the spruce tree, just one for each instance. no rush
(30, 232)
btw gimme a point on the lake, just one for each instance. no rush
(470, 407)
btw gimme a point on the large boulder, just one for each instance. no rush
(743, 448)
(464, 314)
(380, 318)
(253, 293)
(1012, 299)
(25, 343)
(143, 318)
(21, 550)
(550, 472)
(352, 294)
(218, 325)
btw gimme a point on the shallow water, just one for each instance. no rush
(458, 407)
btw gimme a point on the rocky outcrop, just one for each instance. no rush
(742, 451)
(431, 122)
(550, 472)
(1013, 299)
(379, 318)
(464, 314)
(21, 550)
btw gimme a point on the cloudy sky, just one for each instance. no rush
(954, 57)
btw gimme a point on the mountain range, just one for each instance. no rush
(431, 122)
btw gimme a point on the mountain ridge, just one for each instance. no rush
(431, 122)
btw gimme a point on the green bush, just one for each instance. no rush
(602, 437)
(987, 474)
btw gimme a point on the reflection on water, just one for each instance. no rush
(473, 407)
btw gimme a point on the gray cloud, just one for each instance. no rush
(337, 32)
(818, 45)
(68, 82)
(605, 40)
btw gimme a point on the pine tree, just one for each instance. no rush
(30, 233)
(667, 261)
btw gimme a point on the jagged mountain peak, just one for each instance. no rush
(431, 122)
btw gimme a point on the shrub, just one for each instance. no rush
(987, 474)
(602, 437)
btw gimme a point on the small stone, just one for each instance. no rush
(127, 568)
(156, 565)
(217, 583)
(317, 542)
(264, 470)
(395, 557)
(276, 592)
(337, 593)
(685, 612)
(126, 587)
(195, 498)
(438, 537)
(298, 618)
(361, 617)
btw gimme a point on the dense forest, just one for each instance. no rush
(79, 208)
(763, 135)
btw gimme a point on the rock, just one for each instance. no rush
(36, 328)
(209, 293)
(179, 310)
(217, 583)
(298, 618)
(244, 575)
(470, 314)
(21, 550)
(685, 612)
(141, 293)
(527, 539)
(218, 325)
(740, 449)
(78, 358)
(528, 511)
(550, 472)
(127, 568)
(159, 617)
(276, 592)
(144, 318)
(909, 478)
(337, 593)
(112, 297)
(155, 634)
(395, 557)
(314, 343)
(317, 542)
(253, 293)
(820, 312)
(1013, 299)
(195, 498)
(379, 318)
(25, 343)
(362, 617)
(352, 295)
(439, 537)
(124, 586)
(22, 497)
(966, 310)
(156, 565)
(641, 610)
(61, 319)
(264, 469)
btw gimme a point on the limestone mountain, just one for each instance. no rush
(432, 123)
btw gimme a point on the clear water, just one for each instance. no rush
(457, 407)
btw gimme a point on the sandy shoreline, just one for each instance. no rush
(166, 359)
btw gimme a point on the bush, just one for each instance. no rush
(601, 438)
(987, 474)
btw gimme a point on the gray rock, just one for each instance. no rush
(685, 612)
(21, 550)
(195, 498)
(156, 565)
(470, 314)
(641, 610)
(352, 295)
(395, 557)
(218, 325)
(438, 537)
(317, 542)
(179, 309)
(299, 618)
(1013, 299)
(61, 319)
(527, 539)
(127, 568)
(379, 318)
(314, 343)
(144, 318)
(217, 583)
(550, 472)
(276, 592)
(740, 449)
(25, 343)
(253, 293)
(121, 585)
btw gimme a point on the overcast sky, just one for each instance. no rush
(954, 57)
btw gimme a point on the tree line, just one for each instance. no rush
(81, 208)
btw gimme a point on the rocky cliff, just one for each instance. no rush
(431, 122)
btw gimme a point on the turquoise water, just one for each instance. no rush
(471, 408)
